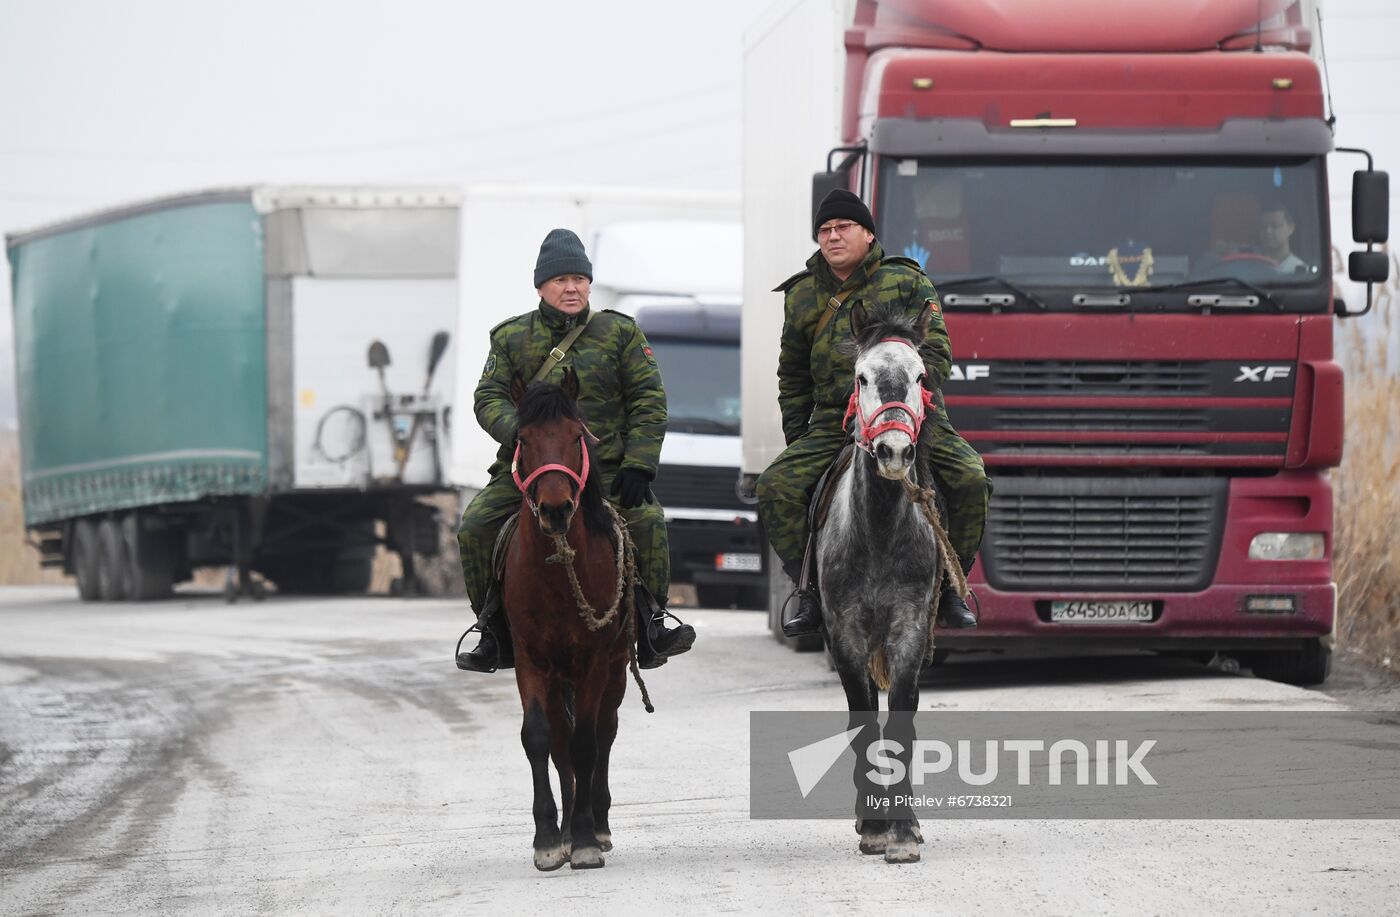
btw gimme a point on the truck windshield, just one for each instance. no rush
(702, 384)
(1086, 224)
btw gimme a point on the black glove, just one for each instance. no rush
(633, 488)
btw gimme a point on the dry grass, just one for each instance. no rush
(19, 563)
(1367, 489)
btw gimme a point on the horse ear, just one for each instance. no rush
(517, 389)
(925, 317)
(571, 383)
(859, 319)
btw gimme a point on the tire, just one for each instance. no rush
(711, 595)
(1309, 666)
(351, 574)
(753, 598)
(114, 562)
(86, 555)
(151, 556)
(295, 574)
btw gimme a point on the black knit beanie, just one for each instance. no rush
(841, 204)
(561, 253)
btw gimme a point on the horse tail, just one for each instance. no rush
(879, 669)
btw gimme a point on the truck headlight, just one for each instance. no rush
(1287, 546)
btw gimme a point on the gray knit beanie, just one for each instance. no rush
(561, 253)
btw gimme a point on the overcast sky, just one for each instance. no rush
(107, 102)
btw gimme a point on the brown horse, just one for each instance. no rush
(570, 661)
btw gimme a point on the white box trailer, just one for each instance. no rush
(794, 57)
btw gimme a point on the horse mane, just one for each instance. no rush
(544, 402)
(883, 322)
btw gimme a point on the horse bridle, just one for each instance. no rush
(867, 429)
(524, 486)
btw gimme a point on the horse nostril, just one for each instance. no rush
(567, 509)
(907, 455)
(883, 452)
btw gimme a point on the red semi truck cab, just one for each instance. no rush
(1124, 207)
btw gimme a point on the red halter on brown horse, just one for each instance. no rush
(570, 660)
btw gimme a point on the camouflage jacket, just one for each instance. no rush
(620, 390)
(814, 379)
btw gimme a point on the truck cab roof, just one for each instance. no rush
(685, 318)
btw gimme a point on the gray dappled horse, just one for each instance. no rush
(878, 564)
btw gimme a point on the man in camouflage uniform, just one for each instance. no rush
(621, 397)
(815, 383)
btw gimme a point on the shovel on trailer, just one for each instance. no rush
(435, 351)
(378, 359)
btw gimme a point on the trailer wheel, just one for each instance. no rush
(151, 560)
(86, 558)
(114, 562)
(1309, 666)
(351, 574)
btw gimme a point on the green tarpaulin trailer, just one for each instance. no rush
(207, 379)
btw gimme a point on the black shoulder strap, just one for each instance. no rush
(558, 353)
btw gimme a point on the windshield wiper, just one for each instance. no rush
(964, 282)
(1206, 283)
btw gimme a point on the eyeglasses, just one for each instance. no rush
(838, 229)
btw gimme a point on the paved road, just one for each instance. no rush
(313, 756)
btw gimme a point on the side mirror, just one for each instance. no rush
(1370, 223)
(835, 176)
(1370, 207)
(1368, 267)
(823, 183)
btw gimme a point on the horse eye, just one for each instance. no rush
(921, 378)
(863, 380)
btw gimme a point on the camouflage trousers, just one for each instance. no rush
(499, 500)
(785, 487)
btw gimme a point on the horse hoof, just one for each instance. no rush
(605, 842)
(873, 845)
(902, 852)
(551, 858)
(587, 858)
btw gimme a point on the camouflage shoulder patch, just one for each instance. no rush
(932, 304)
(892, 260)
(498, 327)
(629, 318)
(490, 366)
(651, 357)
(792, 281)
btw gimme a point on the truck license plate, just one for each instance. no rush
(747, 563)
(1101, 612)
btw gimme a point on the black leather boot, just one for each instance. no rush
(808, 619)
(953, 612)
(492, 652)
(657, 642)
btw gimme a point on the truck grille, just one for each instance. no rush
(697, 487)
(1094, 377)
(1190, 420)
(1104, 534)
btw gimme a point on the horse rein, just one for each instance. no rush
(524, 486)
(867, 428)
